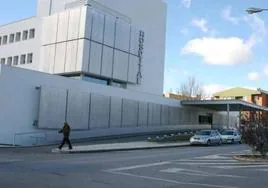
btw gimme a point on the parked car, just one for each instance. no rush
(230, 136)
(206, 137)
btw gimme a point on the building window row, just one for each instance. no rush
(18, 36)
(16, 60)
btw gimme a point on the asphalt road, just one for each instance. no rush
(187, 167)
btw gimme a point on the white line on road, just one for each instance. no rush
(170, 181)
(198, 173)
(204, 160)
(139, 166)
(220, 163)
(239, 166)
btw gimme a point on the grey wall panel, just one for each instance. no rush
(134, 41)
(130, 113)
(52, 108)
(83, 55)
(71, 56)
(63, 26)
(120, 68)
(122, 38)
(85, 23)
(74, 24)
(173, 115)
(95, 58)
(50, 25)
(99, 111)
(107, 62)
(116, 112)
(60, 57)
(78, 109)
(98, 27)
(133, 68)
(109, 30)
(47, 58)
(143, 114)
(154, 114)
(164, 115)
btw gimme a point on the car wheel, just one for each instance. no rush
(240, 142)
(220, 142)
(208, 142)
(232, 141)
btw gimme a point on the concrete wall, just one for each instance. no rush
(92, 109)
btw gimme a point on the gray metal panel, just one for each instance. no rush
(120, 68)
(78, 109)
(71, 56)
(122, 38)
(143, 114)
(52, 108)
(74, 23)
(107, 62)
(60, 57)
(109, 30)
(164, 115)
(133, 68)
(99, 111)
(154, 114)
(130, 113)
(134, 41)
(116, 112)
(95, 58)
(98, 26)
(173, 115)
(63, 21)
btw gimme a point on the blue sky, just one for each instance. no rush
(213, 40)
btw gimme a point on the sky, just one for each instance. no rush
(213, 40)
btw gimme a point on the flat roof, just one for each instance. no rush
(221, 105)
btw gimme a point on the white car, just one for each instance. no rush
(206, 137)
(230, 136)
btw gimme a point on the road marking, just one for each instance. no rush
(209, 163)
(140, 166)
(217, 156)
(204, 160)
(240, 166)
(170, 181)
(198, 173)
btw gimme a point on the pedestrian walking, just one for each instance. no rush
(66, 129)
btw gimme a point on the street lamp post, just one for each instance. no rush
(253, 10)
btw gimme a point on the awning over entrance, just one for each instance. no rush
(223, 105)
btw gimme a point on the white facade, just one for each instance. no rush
(111, 42)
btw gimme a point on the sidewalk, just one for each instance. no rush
(119, 147)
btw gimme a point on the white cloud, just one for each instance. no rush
(253, 76)
(186, 3)
(173, 78)
(220, 51)
(210, 89)
(226, 14)
(201, 24)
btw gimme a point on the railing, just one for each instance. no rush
(36, 135)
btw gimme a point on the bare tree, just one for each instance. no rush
(191, 88)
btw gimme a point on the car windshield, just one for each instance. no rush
(227, 133)
(204, 133)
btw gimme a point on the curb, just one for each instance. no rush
(240, 158)
(117, 149)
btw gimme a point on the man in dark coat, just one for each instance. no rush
(66, 133)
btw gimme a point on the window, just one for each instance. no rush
(3, 61)
(29, 58)
(9, 61)
(5, 39)
(32, 33)
(18, 36)
(16, 60)
(11, 38)
(25, 35)
(22, 59)
(0, 40)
